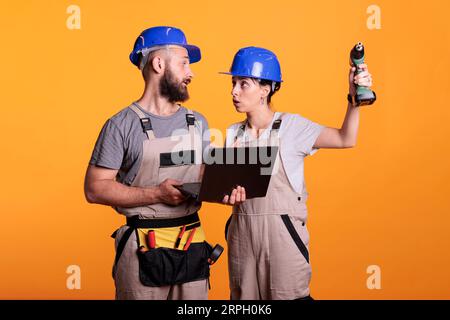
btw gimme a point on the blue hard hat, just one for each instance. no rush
(254, 62)
(159, 36)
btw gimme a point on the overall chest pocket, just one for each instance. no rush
(179, 158)
(180, 165)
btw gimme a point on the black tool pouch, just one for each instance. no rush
(165, 266)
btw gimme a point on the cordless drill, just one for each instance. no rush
(364, 96)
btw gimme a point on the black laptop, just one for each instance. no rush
(226, 168)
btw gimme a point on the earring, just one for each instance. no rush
(262, 101)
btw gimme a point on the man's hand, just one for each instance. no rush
(236, 198)
(364, 78)
(168, 194)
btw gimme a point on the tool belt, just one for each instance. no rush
(170, 251)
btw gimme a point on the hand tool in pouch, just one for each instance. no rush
(189, 240)
(151, 239)
(215, 254)
(180, 236)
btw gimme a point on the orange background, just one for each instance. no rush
(382, 203)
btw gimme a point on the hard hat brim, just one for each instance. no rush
(194, 53)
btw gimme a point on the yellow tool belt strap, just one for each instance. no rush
(167, 231)
(167, 237)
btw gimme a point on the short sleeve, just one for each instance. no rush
(306, 134)
(109, 148)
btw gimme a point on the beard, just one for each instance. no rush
(171, 89)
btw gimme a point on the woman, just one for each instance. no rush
(267, 237)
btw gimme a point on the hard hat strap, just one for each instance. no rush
(272, 85)
(145, 53)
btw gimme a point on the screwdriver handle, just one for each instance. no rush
(189, 240)
(151, 239)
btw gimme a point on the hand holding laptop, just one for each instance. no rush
(236, 197)
(169, 193)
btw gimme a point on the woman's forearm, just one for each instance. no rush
(349, 129)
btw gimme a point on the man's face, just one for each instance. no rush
(177, 76)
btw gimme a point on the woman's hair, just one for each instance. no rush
(274, 87)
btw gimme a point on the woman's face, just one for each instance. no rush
(247, 94)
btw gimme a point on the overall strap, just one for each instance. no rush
(276, 127)
(190, 121)
(273, 132)
(145, 121)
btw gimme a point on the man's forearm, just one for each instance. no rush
(113, 193)
(349, 129)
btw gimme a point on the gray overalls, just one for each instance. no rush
(164, 262)
(267, 237)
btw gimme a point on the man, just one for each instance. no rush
(142, 154)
